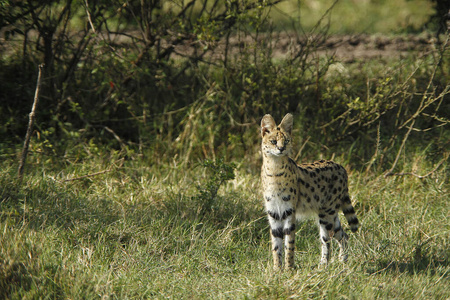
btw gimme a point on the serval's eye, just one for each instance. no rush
(274, 142)
(286, 141)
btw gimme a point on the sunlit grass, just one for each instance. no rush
(357, 16)
(347, 16)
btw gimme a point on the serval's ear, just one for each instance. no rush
(287, 123)
(267, 124)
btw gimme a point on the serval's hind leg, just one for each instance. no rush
(326, 243)
(342, 238)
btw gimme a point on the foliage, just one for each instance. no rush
(441, 17)
(218, 173)
(189, 80)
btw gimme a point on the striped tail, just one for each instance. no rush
(349, 213)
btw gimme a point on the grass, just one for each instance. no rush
(137, 232)
(355, 16)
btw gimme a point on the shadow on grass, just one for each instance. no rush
(47, 205)
(430, 265)
(80, 213)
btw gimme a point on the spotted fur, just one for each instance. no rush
(293, 192)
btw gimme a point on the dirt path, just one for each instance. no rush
(347, 48)
(351, 48)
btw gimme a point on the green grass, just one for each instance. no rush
(137, 232)
(355, 16)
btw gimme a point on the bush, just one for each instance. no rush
(192, 82)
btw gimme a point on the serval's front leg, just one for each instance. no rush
(289, 242)
(277, 247)
(277, 233)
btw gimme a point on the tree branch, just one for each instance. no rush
(446, 155)
(26, 143)
(389, 173)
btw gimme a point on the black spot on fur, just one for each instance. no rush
(274, 215)
(278, 232)
(286, 198)
(288, 231)
(287, 213)
(350, 210)
(353, 221)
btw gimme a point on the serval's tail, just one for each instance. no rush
(349, 213)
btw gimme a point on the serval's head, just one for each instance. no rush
(276, 140)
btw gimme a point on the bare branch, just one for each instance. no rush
(389, 173)
(89, 17)
(446, 155)
(115, 165)
(88, 175)
(26, 143)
